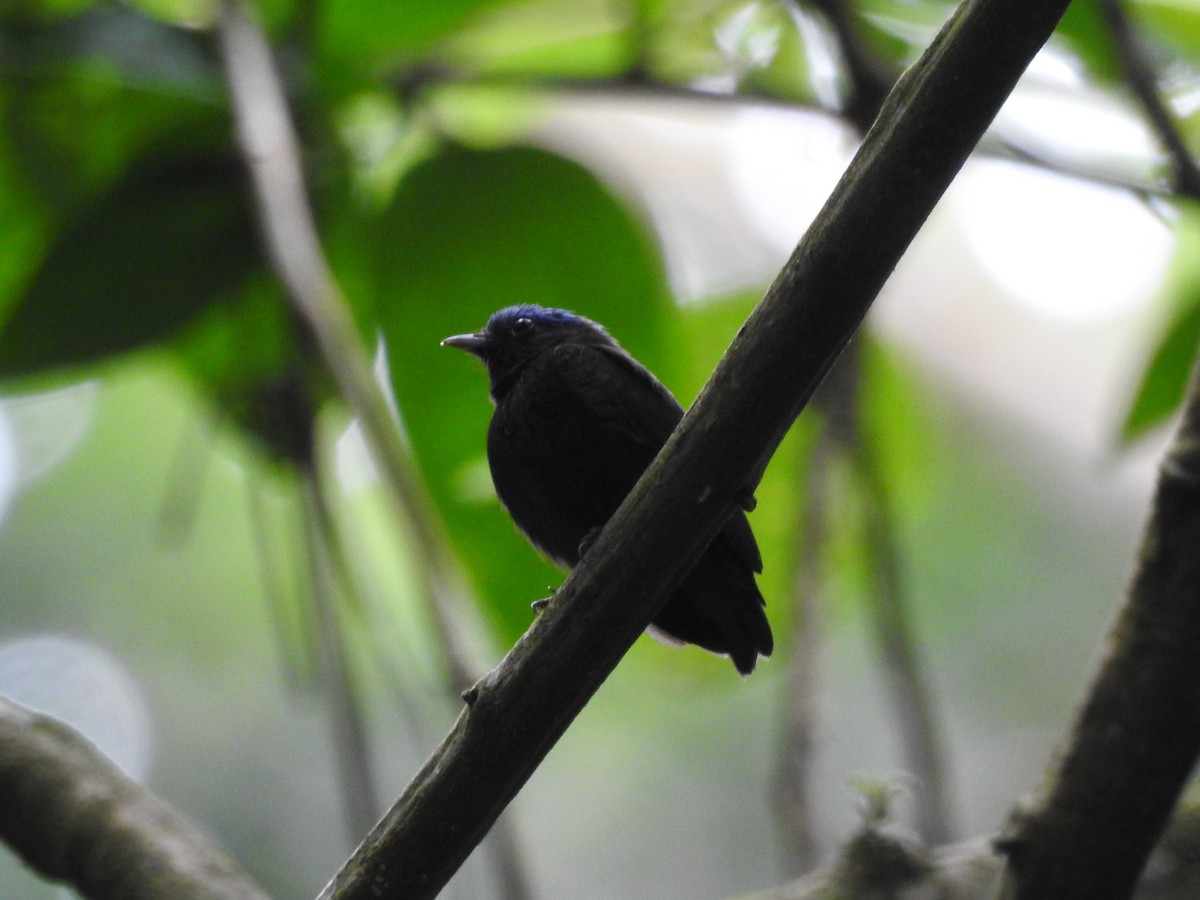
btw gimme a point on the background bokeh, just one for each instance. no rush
(649, 165)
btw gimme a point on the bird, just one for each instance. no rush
(576, 421)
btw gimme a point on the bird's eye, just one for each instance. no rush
(523, 325)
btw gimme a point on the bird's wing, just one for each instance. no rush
(650, 419)
(644, 408)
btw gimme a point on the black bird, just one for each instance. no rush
(577, 421)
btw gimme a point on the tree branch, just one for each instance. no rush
(74, 817)
(887, 603)
(1104, 801)
(416, 81)
(877, 863)
(933, 118)
(360, 798)
(273, 157)
(1141, 80)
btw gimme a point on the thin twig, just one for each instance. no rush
(359, 796)
(869, 79)
(1141, 79)
(270, 147)
(794, 794)
(292, 622)
(640, 87)
(509, 874)
(900, 653)
(840, 399)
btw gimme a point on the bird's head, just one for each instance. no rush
(517, 334)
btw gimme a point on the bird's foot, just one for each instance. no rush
(745, 499)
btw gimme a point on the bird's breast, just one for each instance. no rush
(560, 465)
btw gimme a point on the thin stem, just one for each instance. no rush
(269, 146)
(794, 806)
(637, 86)
(359, 795)
(1141, 79)
(870, 81)
(899, 652)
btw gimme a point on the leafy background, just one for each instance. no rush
(461, 157)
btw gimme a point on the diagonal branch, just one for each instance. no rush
(1107, 797)
(1143, 83)
(925, 132)
(414, 82)
(75, 817)
(270, 147)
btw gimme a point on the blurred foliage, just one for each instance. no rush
(128, 223)
(136, 268)
(1162, 385)
(131, 224)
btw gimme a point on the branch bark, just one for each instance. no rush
(74, 817)
(1105, 800)
(877, 863)
(932, 120)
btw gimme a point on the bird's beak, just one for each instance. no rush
(472, 343)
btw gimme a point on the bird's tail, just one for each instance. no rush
(719, 607)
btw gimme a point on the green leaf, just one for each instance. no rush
(135, 268)
(1161, 390)
(470, 232)
(1165, 379)
(551, 37)
(1084, 31)
(101, 90)
(245, 354)
(370, 31)
(1174, 22)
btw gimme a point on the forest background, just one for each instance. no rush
(202, 569)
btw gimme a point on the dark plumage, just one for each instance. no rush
(577, 421)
